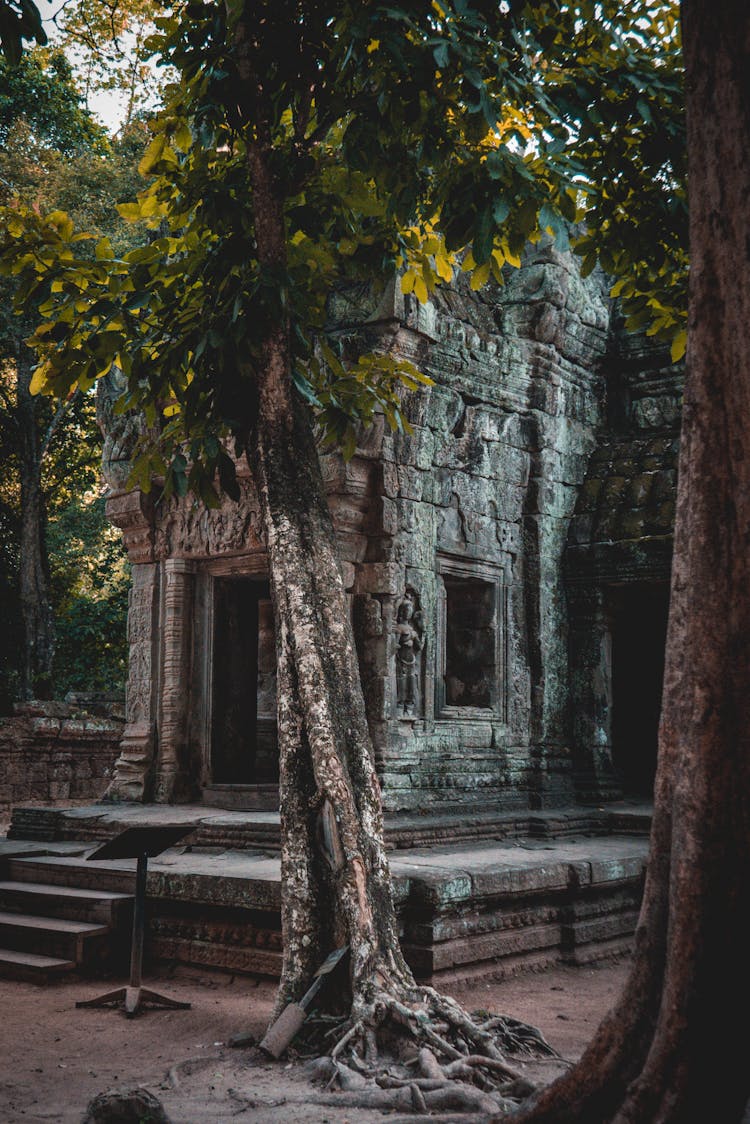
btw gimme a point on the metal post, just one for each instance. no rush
(139, 923)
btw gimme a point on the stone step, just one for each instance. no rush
(47, 936)
(254, 829)
(31, 967)
(72, 903)
(35, 823)
(63, 870)
(243, 797)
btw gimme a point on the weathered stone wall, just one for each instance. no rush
(453, 541)
(54, 751)
(482, 491)
(620, 539)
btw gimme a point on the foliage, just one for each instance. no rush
(41, 90)
(110, 44)
(90, 585)
(19, 20)
(52, 154)
(400, 138)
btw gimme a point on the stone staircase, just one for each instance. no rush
(490, 893)
(53, 922)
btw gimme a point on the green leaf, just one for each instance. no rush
(304, 387)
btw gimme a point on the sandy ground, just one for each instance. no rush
(54, 1058)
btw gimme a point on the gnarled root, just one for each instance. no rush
(417, 1051)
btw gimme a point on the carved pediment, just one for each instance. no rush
(185, 528)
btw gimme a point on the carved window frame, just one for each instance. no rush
(494, 575)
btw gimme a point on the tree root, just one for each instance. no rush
(419, 1052)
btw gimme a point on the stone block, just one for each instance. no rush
(410, 482)
(600, 928)
(523, 913)
(517, 880)
(379, 578)
(45, 727)
(473, 735)
(617, 868)
(435, 888)
(491, 946)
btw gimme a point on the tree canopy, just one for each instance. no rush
(54, 155)
(418, 139)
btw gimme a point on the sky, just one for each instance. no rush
(107, 106)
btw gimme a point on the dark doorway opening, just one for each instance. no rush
(639, 634)
(244, 748)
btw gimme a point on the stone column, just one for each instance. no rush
(133, 513)
(172, 779)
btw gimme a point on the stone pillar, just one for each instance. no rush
(134, 765)
(172, 779)
(133, 513)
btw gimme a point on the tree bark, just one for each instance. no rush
(36, 607)
(671, 1050)
(336, 886)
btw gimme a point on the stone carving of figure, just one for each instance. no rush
(409, 630)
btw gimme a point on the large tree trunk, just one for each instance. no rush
(335, 876)
(336, 884)
(672, 1049)
(36, 608)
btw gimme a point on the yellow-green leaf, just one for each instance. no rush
(153, 154)
(131, 212)
(420, 290)
(39, 384)
(480, 276)
(443, 267)
(679, 345)
(407, 282)
(183, 138)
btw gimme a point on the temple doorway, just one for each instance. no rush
(639, 633)
(243, 742)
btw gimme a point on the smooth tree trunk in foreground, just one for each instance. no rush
(675, 1047)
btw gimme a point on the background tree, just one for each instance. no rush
(55, 156)
(90, 583)
(111, 45)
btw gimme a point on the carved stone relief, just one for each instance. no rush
(120, 431)
(132, 512)
(187, 529)
(410, 640)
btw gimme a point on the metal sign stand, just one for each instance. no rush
(140, 843)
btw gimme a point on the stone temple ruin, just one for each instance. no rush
(507, 566)
(507, 569)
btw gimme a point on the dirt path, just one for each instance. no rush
(55, 1058)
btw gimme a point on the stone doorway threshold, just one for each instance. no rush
(242, 797)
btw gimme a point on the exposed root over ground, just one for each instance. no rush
(427, 1055)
